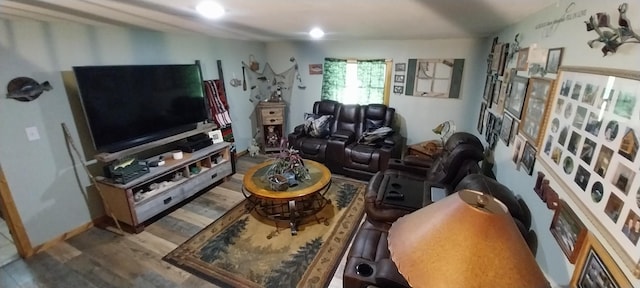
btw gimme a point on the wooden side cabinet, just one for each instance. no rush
(135, 202)
(271, 117)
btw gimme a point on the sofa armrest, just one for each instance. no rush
(418, 165)
(388, 275)
(344, 135)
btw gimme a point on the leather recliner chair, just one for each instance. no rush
(348, 155)
(369, 260)
(315, 148)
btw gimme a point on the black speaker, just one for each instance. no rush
(197, 137)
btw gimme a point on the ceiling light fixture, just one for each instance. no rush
(210, 9)
(316, 33)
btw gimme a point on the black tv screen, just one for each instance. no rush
(131, 105)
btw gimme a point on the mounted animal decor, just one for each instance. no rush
(26, 89)
(610, 36)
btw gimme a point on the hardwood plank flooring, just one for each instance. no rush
(100, 259)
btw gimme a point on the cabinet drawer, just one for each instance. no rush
(204, 179)
(272, 120)
(159, 203)
(272, 112)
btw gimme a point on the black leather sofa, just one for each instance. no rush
(342, 149)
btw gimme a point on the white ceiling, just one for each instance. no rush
(274, 20)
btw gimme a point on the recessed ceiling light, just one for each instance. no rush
(210, 9)
(316, 33)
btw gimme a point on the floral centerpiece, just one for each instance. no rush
(287, 167)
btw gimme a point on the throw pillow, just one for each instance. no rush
(376, 136)
(318, 126)
(373, 125)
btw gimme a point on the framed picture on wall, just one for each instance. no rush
(488, 90)
(399, 79)
(401, 67)
(535, 115)
(528, 157)
(554, 59)
(568, 230)
(591, 148)
(595, 267)
(497, 85)
(523, 59)
(480, 125)
(517, 95)
(505, 129)
(397, 89)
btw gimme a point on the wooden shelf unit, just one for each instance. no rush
(143, 198)
(271, 117)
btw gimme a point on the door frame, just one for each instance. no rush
(14, 222)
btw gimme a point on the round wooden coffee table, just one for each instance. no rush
(303, 200)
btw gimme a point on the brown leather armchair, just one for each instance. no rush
(369, 261)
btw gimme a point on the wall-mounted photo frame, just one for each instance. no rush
(591, 151)
(505, 129)
(536, 110)
(554, 60)
(517, 95)
(480, 125)
(518, 148)
(596, 268)
(488, 89)
(568, 230)
(397, 89)
(503, 59)
(528, 157)
(496, 54)
(440, 78)
(523, 59)
(399, 79)
(401, 67)
(495, 94)
(315, 69)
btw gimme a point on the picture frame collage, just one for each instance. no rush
(520, 102)
(489, 120)
(399, 78)
(591, 146)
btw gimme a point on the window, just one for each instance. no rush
(356, 81)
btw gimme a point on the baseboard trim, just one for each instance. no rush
(65, 236)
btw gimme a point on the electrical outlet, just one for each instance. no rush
(32, 133)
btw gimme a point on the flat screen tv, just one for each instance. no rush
(130, 105)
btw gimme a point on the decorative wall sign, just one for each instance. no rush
(397, 89)
(591, 146)
(315, 69)
(434, 77)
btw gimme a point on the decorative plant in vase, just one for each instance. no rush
(288, 167)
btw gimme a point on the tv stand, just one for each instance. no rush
(163, 187)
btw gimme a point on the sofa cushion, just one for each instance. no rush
(318, 126)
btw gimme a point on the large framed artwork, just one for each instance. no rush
(591, 146)
(515, 100)
(441, 78)
(536, 109)
(595, 267)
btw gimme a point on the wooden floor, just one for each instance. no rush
(99, 258)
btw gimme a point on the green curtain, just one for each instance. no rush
(368, 89)
(334, 79)
(371, 76)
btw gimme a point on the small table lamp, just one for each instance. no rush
(467, 239)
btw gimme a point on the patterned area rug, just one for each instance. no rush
(242, 249)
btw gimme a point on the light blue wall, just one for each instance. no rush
(572, 35)
(418, 114)
(47, 187)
